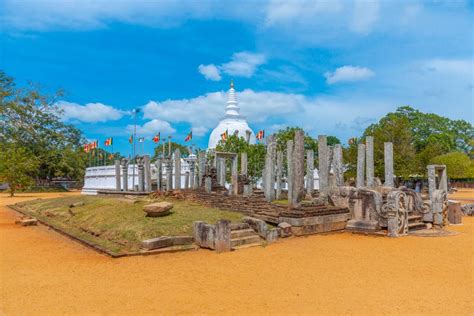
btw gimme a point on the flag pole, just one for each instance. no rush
(134, 140)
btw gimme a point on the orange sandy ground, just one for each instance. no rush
(42, 272)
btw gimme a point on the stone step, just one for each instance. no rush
(412, 218)
(244, 240)
(241, 233)
(247, 245)
(239, 226)
(415, 226)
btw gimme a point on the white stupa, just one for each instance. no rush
(233, 122)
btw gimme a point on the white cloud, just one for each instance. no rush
(348, 73)
(366, 13)
(210, 72)
(464, 67)
(152, 128)
(91, 112)
(285, 11)
(242, 64)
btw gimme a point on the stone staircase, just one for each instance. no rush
(242, 236)
(415, 222)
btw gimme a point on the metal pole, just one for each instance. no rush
(133, 150)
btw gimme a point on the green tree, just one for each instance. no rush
(158, 152)
(17, 167)
(32, 120)
(458, 165)
(255, 154)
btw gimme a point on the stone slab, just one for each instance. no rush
(166, 241)
(157, 209)
(363, 225)
(314, 220)
(318, 228)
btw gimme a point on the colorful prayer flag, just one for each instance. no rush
(130, 139)
(108, 141)
(189, 137)
(225, 135)
(156, 139)
(261, 134)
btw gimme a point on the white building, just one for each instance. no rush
(233, 122)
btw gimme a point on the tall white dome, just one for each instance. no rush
(233, 122)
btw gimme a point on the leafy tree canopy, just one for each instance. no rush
(458, 165)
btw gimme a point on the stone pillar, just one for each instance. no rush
(268, 172)
(289, 165)
(360, 166)
(124, 164)
(186, 180)
(338, 165)
(141, 174)
(235, 175)
(201, 167)
(443, 178)
(177, 169)
(298, 170)
(243, 164)
(388, 164)
(323, 157)
(221, 170)
(208, 184)
(192, 166)
(146, 165)
(169, 174)
(223, 235)
(309, 172)
(196, 181)
(247, 190)
(117, 175)
(279, 173)
(369, 159)
(159, 174)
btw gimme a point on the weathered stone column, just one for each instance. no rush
(443, 178)
(221, 170)
(186, 180)
(192, 166)
(117, 175)
(141, 174)
(177, 169)
(338, 165)
(159, 174)
(201, 167)
(243, 164)
(298, 170)
(235, 175)
(279, 174)
(289, 165)
(268, 172)
(208, 184)
(169, 174)
(147, 168)
(360, 183)
(369, 159)
(124, 164)
(388, 164)
(431, 180)
(323, 157)
(309, 172)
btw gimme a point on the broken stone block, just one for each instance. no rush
(77, 204)
(468, 209)
(204, 234)
(285, 229)
(222, 241)
(272, 235)
(257, 225)
(27, 222)
(454, 212)
(166, 241)
(157, 209)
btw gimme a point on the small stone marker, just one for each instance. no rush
(454, 212)
(284, 229)
(158, 209)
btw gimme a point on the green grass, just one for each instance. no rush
(117, 225)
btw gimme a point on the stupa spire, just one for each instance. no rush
(232, 108)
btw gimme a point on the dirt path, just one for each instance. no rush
(42, 272)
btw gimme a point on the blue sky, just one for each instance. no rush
(331, 67)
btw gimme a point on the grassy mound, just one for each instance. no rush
(118, 224)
